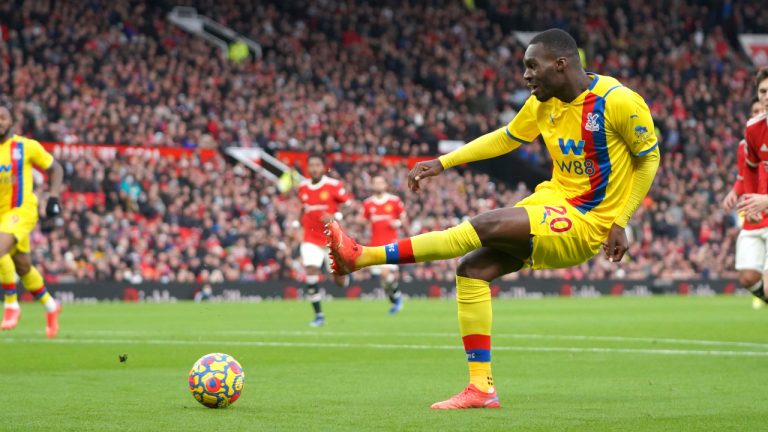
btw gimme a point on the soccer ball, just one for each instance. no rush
(216, 380)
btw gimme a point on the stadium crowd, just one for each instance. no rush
(393, 78)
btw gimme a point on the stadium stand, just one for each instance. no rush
(393, 78)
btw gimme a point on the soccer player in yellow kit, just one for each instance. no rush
(18, 217)
(601, 138)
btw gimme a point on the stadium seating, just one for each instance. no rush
(351, 77)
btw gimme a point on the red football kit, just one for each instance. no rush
(746, 182)
(318, 200)
(382, 212)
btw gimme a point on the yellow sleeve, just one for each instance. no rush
(521, 130)
(524, 127)
(37, 155)
(488, 146)
(642, 179)
(632, 119)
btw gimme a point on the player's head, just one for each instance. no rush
(6, 120)
(755, 107)
(315, 166)
(379, 185)
(761, 84)
(550, 61)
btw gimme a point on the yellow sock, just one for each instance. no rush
(432, 246)
(33, 282)
(475, 317)
(8, 281)
(480, 375)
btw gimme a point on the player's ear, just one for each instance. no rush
(561, 63)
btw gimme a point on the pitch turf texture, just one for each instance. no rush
(661, 363)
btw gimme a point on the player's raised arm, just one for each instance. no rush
(521, 130)
(423, 170)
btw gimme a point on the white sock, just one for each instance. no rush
(50, 305)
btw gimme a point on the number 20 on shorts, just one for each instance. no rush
(558, 224)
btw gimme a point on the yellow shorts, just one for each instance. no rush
(562, 236)
(19, 222)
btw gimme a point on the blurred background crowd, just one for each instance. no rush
(390, 78)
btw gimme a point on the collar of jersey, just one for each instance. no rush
(383, 199)
(318, 185)
(580, 98)
(10, 139)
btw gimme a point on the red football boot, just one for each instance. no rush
(471, 397)
(343, 250)
(10, 318)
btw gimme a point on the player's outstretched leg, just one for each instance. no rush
(473, 297)
(506, 229)
(347, 255)
(33, 282)
(11, 309)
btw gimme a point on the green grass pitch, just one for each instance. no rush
(607, 364)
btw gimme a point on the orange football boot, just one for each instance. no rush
(343, 250)
(10, 318)
(471, 397)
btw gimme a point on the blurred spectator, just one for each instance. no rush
(389, 78)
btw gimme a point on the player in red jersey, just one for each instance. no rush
(756, 136)
(322, 198)
(752, 244)
(385, 212)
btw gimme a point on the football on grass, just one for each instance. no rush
(216, 380)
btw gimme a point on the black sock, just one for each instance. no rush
(758, 290)
(392, 290)
(313, 292)
(394, 294)
(317, 308)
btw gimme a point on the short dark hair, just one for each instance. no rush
(558, 41)
(753, 101)
(315, 156)
(760, 76)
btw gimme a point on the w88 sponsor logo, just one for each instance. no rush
(577, 167)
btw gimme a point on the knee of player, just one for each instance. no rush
(23, 266)
(749, 278)
(470, 268)
(505, 225)
(7, 243)
(486, 227)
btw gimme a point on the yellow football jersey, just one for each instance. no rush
(592, 141)
(18, 156)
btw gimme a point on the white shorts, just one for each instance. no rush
(376, 270)
(751, 248)
(313, 255)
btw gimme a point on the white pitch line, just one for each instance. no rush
(323, 333)
(716, 353)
